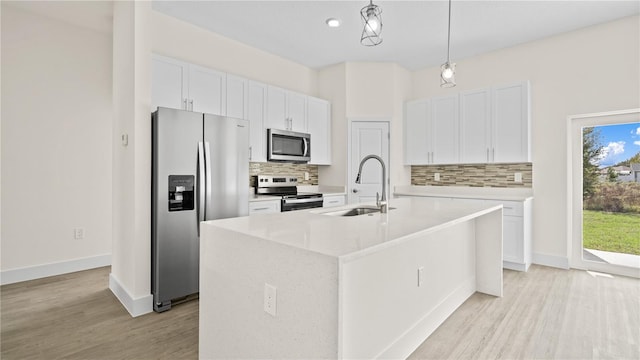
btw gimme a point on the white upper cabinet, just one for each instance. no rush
(475, 126)
(207, 90)
(444, 130)
(297, 111)
(319, 126)
(169, 87)
(286, 110)
(431, 131)
(511, 122)
(237, 95)
(180, 85)
(256, 114)
(416, 115)
(479, 126)
(277, 109)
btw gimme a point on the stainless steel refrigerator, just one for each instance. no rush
(200, 171)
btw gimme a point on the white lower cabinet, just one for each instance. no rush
(333, 200)
(264, 207)
(516, 230)
(516, 233)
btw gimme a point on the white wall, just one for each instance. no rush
(181, 40)
(332, 86)
(56, 126)
(365, 90)
(130, 278)
(594, 69)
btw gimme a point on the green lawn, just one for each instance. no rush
(615, 232)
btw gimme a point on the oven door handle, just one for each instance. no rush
(301, 201)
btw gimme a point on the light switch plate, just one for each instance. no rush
(436, 177)
(270, 299)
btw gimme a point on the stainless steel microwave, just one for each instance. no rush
(288, 146)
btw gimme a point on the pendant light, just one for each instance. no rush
(372, 32)
(448, 70)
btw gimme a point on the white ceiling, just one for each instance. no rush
(414, 32)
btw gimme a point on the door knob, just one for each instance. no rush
(355, 190)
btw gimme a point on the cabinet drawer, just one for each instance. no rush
(331, 201)
(264, 207)
(510, 208)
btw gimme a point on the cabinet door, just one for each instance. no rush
(512, 239)
(510, 125)
(277, 108)
(169, 79)
(444, 130)
(319, 126)
(256, 113)
(297, 111)
(207, 90)
(475, 126)
(236, 97)
(416, 120)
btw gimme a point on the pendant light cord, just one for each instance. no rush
(449, 33)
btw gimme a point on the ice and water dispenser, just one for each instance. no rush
(181, 192)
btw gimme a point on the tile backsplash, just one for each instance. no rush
(476, 175)
(273, 168)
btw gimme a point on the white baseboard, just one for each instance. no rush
(561, 262)
(409, 341)
(135, 306)
(64, 267)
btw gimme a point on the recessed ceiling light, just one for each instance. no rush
(333, 22)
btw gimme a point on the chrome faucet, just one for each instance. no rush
(380, 203)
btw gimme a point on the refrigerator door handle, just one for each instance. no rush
(207, 183)
(201, 184)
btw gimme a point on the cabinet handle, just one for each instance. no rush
(191, 104)
(493, 154)
(487, 154)
(263, 208)
(185, 104)
(250, 152)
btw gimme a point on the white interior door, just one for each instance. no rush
(368, 137)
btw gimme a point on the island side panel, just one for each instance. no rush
(234, 268)
(489, 253)
(384, 311)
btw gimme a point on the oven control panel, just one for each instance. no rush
(276, 180)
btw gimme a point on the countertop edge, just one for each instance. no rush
(395, 242)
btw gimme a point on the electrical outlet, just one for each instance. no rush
(436, 177)
(78, 233)
(270, 299)
(420, 276)
(517, 177)
(306, 175)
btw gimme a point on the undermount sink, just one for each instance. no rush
(360, 210)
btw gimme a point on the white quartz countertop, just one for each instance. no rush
(507, 194)
(346, 236)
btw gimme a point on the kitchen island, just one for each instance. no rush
(314, 284)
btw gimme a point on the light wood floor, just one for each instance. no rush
(75, 316)
(545, 313)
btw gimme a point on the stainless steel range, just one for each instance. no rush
(286, 186)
